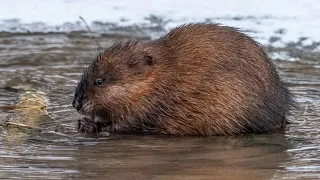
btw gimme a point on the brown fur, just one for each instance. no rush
(199, 79)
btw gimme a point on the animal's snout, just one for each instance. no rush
(78, 96)
(77, 104)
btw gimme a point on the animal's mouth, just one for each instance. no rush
(87, 112)
(84, 106)
(92, 120)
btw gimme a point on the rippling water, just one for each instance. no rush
(53, 63)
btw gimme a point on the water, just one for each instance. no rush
(53, 62)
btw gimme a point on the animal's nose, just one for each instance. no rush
(76, 104)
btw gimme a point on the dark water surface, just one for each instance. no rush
(53, 64)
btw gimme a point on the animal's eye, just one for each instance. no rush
(99, 82)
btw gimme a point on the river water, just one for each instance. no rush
(42, 53)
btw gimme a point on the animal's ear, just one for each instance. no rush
(143, 59)
(148, 59)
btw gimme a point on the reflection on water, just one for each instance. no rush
(145, 157)
(53, 63)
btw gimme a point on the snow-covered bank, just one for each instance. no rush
(287, 19)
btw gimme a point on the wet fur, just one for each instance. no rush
(199, 79)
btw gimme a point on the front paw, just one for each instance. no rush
(86, 125)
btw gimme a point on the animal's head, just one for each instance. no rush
(115, 81)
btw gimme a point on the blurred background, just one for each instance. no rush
(45, 45)
(269, 21)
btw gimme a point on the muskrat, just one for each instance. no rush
(199, 79)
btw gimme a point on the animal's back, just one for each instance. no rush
(221, 82)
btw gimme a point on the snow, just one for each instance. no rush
(264, 18)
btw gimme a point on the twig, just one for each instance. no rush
(19, 125)
(89, 30)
